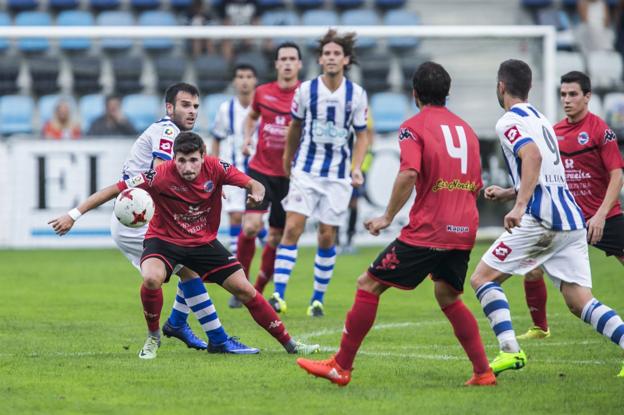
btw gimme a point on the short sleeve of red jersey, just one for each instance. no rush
(297, 108)
(609, 151)
(233, 176)
(142, 181)
(255, 105)
(512, 133)
(411, 149)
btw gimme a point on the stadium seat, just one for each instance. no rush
(47, 103)
(327, 18)
(63, 4)
(44, 72)
(365, 17)
(561, 21)
(90, 107)
(86, 71)
(213, 73)
(348, 4)
(168, 71)
(605, 69)
(157, 18)
(408, 66)
(5, 20)
(33, 45)
(389, 4)
(127, 72)
(141, 110)
(210, 107)
(270, 4)
(308, 4)
(569, 4)
(104, 4)
(115, 18)
(566, 62)
(375, 70)
(389, 110)
(9, 71)
(279, 18)
(145, 4)
(402, 18)
(20, 5)
(533, 4)
(595, 106)
(614, 112)
(180, 5)
(16, 113)
(75, 18)
(259, 61)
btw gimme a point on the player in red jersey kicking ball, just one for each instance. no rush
(187, 195)
(440, 158)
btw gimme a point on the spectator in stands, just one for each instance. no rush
(61, 126)
(199, 15)
(237, 13)
(595, 28)
(113, 122)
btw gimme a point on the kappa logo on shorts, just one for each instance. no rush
(390, 261)
(501, 251)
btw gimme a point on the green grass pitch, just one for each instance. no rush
(71, 325)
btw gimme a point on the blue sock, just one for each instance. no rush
(285, 259)
(496, 309)
(604, 320)
(180, 311)
(323, 270)
(262, 236)
(198, 300)
(234, 231)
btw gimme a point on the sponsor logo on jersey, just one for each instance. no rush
(169, 132)
(405, 133)
(280, 120)
(569, 163)
(512, 134)
(165, 145)
(225, 165)
(609, 135)
(135, 181)
(457, 229)
(501, 251)
(328, 129)
(456, 184)
(583, 138)
(208, 186)
(270, 98)
(150, 175)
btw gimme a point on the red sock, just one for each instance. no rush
(536, 294)
(267, 267)
(246, 250)
(359, 321)
(266, 318)
(152, 305)
(467, 332)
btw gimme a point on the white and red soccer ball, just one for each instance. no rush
(134, 207)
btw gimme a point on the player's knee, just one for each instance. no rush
(251, 228)
(152, 280)
(326, 238)
(365, 283)
(292, 232)
(245, 293)
(534, 275)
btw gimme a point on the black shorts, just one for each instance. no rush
(212, 262)
(404, 266)
(612, 242)
(276, 189)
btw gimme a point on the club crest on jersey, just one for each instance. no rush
(225, 165)
(405, 133)
(165, 145)
(569, 163)
(209, 186)
(512, 134)
(583, 138)
(609, 135)
(501, 251)
(169, 132)
(150, 175)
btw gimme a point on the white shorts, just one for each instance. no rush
(235, 198)
(563, 254)
(129, 240)
(320, 197)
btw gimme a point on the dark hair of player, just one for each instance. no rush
(346, 41)
(287, 45)
(172, 91)
(580, 78)
(244, 67)
(517, 76)
(431, 83)
(188, 142)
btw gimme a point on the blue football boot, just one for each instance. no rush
(233, 346)
(185, 334)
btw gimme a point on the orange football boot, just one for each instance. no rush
(483, 379)
(327, 369)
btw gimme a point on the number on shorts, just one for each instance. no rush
(460, 152)
(551, 143)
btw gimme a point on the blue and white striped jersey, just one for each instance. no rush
(228, 129)
(551, 203)
(325, 148)
(156, 141)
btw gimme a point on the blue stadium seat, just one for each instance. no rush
(569, 3)
(364, 17)
(5, 20)
(389, 4)
(29, 45)
(270, 4)
(145, 4)
(614, 112)
(389, 110)
(157, 18)
(402, 18)
(327, 18)
(47, 103)
(75, 18)
(279, 18)
(20, 5)
(104, 4)
(115, 18)
(533, 4)
(210, 107)
(64, 4)
(309, 4)
(16, 113)
(90, 107)
(180, 4)
(141, 109)
(348, 4)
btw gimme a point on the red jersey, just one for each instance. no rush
(187, 213)
(589, 151)
(444, 150)
(273, 104)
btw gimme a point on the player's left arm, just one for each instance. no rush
(359, 152)
(235, 177)
(531, 165)
(595, 225)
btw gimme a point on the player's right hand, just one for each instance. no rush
(493, 192)
(513, 218)
(62, 224)
(377, 224)
(246, 150)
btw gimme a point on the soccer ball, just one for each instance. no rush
(134, 207)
